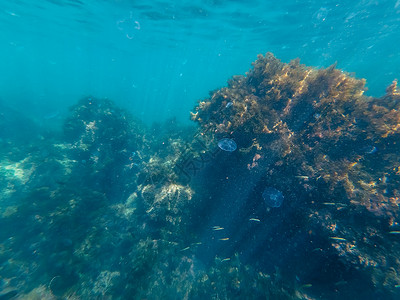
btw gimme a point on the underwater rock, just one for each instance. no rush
(324, 144)
(104, 283)
(308, 120)
(166, 203)
(228, 145)
(83, 236)
(103, 137)
(272, 197)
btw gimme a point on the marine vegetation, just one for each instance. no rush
(288, 188)
(332, 151)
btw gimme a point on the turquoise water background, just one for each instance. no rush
(282, 186)
(158, 58)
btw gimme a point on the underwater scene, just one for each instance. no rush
(206, 149)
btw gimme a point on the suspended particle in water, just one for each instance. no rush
(320, 15)
(128, 26)
(228, 145)
(272, 197)
(137, 25)
(317, 116)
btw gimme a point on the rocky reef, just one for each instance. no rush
(286, 189)
(332, 151)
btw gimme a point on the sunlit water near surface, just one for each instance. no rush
(157, 58)
(131, 169)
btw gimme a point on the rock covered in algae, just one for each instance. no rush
(165, 201)
(309, 133)
(106, 141)
(317, 122)
(314, 135)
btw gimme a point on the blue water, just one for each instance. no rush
(157, 58)
(109, 190)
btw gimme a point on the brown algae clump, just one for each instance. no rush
(316, 122)
(333, 152)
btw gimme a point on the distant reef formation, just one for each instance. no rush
(288, 188)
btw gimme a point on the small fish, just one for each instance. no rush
(255, 220)
(307, 285)
(229, 104)
(226, 259)
(397, 286)
(341, 282)
(394, 232)
(216, 228)
(337, 238)
(302, 177)
(198, 243)
(224, 239)
(52, 115)
(334, 204)
(316, 249)
(184, 249)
